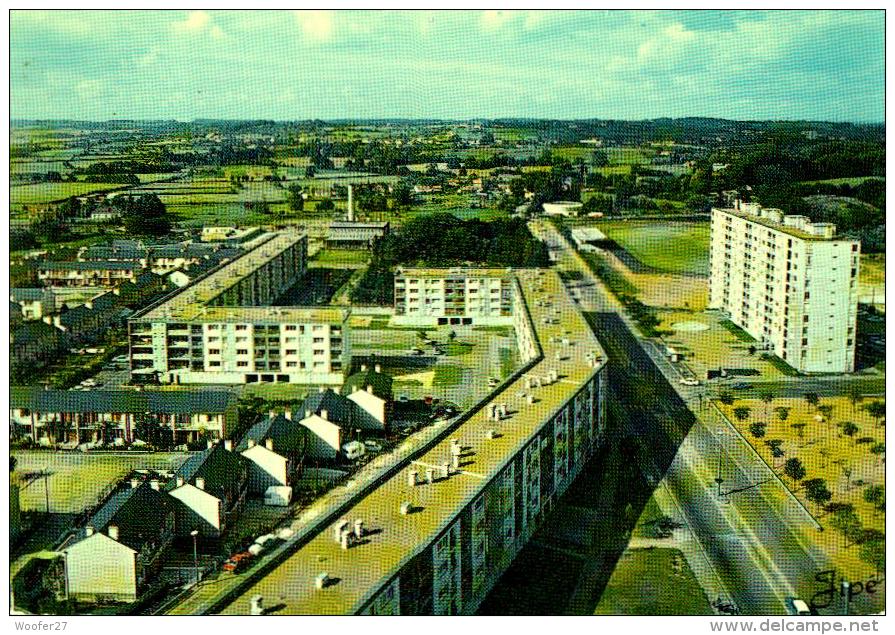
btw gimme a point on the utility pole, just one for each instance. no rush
(195, 533)
(719, 480)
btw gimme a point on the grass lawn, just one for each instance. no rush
(846, 463)
(645, 582)
(77, 480)
(873, 269)
(740, 334)
(851, 180)
(447, 375)
(341, 257)
(667, 246)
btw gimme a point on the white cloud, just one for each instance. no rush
(316, 25)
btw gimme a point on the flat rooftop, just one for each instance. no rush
(780, 227)
(191, 301)
(363, 569)
(449, 272)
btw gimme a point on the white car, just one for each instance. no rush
(690, 381)
(796, 606)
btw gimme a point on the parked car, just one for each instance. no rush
(353, 450)
(237, 562)
(373, 446)
(689, 381)
(741, 386)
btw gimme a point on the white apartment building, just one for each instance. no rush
(221, 328)
(429, 297)
(789, 283)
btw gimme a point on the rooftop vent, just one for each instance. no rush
(406, 508)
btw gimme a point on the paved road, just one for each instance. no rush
(758, 539)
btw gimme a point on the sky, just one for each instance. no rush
(285, 65)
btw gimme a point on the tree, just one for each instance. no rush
(846, 472)
(741, 413)
(873, 553)
(295, 198)
(855, 397)
(812, 398)
(326, 205)
(794, 469)
(144, 215)
(846, 522)
(767, 397)
(149, 429)
(726, 398)
(816, 491)
(878, 448)
(826, 410)
(849, 428)
(800, 429)
(59, 429)
(875, 495)
(782, 413)
(758, 429)
(876, 410)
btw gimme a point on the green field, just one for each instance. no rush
(851, 180)
(41, 193)
(645, 582)
(341, 257)
(667, 246)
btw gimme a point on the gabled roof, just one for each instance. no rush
(381, 383)
(74, 316)
(152, 401)
(138, 512)
(221, 469)
(32, 294)
(287, 435)
(340, 410)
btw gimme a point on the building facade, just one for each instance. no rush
(789, 283)
(429, 297)
(221, 328)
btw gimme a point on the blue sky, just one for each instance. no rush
(300, 65)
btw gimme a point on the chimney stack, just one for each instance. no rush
(200, 483)
(113, 532)
(324, 414)
(179, 481)
(350, 202)
(88, 530)
(135, 483)
(251, 443)
(271, 414)
(154, 484)
(268, 443)
(288, 414)
(210, 444)
(321, 389)
(378, 368)
(363, 368)
(370, 389)
(228, 445)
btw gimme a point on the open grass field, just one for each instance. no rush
(671, 247)
(647, 582)
(77, 480)
(340, 258)
(628, 156)
(845, 462)
(852, 180)
(41, 193)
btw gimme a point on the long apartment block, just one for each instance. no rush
(790, 283)
(435, 537)
(221, 328)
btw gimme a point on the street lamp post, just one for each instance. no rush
(195, 533)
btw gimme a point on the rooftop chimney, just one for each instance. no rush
(88, 530)
(370, 388)
(350, 202)
(271, 414)
(179, 481)
(324, 414)
(251, 443)
(113, 532)
(363, 368)
(321, 389)
(200, 482)
(307, 413)
(228, 445)
(268, 443)
(288, 414)
(154, 484)
(378, 368)
(135, 483)
(210, 444)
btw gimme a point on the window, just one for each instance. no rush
(214, 351)
(291, 364)
(291, 351)
(241, 327)
(242, 351)
(214, 364)
(318, 340)
(290, 327)
(242, 364)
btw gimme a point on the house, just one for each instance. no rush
(371, 390)
(119, 550)
(114, 414)
(333, 420)
(275, 448)
(35, 302)
(35, 344)
(210, 489)
(94, 273)
(355, 234)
